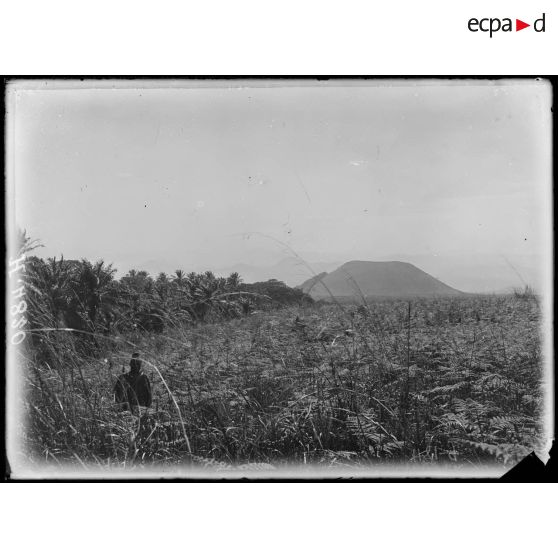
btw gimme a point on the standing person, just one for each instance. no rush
(133, 389)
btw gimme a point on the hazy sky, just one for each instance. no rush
(196, 175)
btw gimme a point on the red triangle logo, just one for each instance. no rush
(519, 25)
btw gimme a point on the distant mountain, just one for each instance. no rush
(291, 271)
(376, 279)
(309, 284)
(481, 273)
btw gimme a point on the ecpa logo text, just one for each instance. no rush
(494, 24)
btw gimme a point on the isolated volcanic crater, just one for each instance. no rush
(376, 279)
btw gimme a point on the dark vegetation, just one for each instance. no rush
(254, 376)
(87, 297)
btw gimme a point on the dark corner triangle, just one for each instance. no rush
(532, 469)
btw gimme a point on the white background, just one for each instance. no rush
(291, 37)
(278, 520)
(272, 37)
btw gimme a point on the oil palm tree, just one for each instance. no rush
(91, 285)
(233, 281)
(51, 282)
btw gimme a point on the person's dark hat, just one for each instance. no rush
(135, 362)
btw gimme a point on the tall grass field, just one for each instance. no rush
(453, 383)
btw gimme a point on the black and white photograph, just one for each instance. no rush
(278, 278)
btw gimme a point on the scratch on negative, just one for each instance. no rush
(302, 186)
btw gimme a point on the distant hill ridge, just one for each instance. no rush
(355, 279)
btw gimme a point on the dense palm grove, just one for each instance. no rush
(86, 297)
(258, 375)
